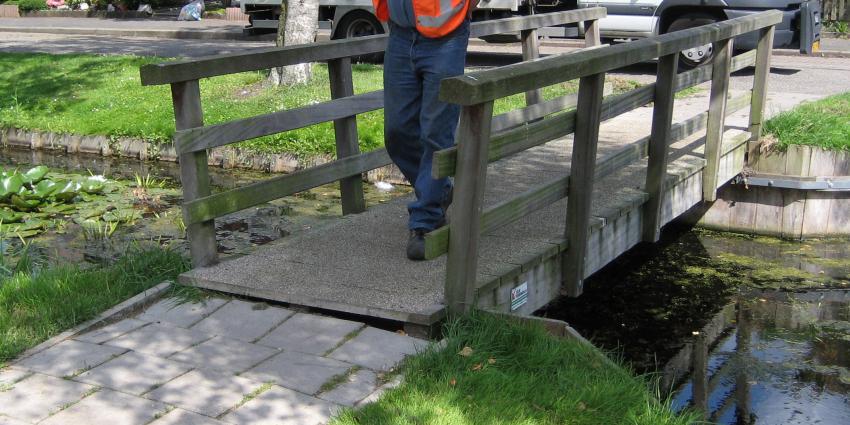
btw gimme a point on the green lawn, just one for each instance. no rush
(513, 374)
(38, 304)
(102, 95)
(824, 123)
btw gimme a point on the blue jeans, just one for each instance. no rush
(416, 122)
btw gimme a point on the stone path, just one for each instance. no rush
(218, 362)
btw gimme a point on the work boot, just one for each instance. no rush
(416, 245)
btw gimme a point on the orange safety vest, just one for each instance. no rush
(434, 18)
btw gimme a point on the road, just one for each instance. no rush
(795, 74)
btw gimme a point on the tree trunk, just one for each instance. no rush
(298, 24)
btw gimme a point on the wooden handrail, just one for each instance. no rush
(266, 58)
(487, 85)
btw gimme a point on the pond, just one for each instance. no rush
(770, 318)
(141, 205)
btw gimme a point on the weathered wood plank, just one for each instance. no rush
(462, 263)
(201, 138)
(520, 23)
(517, 78)
(662, 118)
(760, 76)
(591, 33)
(219, 204)
(519, 139)
(716, 117)
(583, 163)
(194, 177)
(530, 52)
(520, 116)
(345, 132)
(258, 59)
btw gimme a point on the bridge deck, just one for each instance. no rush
(357, 264)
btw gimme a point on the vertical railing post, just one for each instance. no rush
(742, 351)
(716, 117)
(762, 71)
(194, 176)
(345, 130)
(473, 139)
(699, 375)
(659, 142)
(582, 168)
(591, 33)
(531, 51)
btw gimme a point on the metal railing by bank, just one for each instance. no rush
(479, 143)
(193, 139)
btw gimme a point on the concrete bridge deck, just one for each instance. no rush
(357, 264)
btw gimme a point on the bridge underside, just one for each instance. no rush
(357, 264)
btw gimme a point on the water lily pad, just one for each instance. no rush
(67, 191)
(11, 184)
(93, 185)
(24, 204)
(45, 188)
(35, 174)
(7, 216)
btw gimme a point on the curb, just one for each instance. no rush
(821, 54)
(112, 315)
(186, 34)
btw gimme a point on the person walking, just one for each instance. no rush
(427, 43)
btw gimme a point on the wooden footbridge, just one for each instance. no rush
(544, 195)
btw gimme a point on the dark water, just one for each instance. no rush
(773, 313)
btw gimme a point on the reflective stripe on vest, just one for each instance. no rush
(446, 13)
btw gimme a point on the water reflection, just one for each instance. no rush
(785, 359)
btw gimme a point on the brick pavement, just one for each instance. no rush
(219, 362)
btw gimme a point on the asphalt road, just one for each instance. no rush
(796, 74)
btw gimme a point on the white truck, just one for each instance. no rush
(627, 19)
(632, 19)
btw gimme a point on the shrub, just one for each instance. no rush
(29, 5)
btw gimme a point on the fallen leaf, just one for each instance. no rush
(466, 352)
(491, 360)
(401, 332)
(453, 382)
(581, 406)
(477, 366)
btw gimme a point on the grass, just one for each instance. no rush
(36, 305)
(824, 123)
(102, 95)
(515, 374)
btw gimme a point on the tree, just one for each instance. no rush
(298, 24)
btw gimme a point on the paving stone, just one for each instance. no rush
(10, 375)
(185, 417)
(309, 333)
(108, 332)
(358, 386)
(298, 371)
(225, 354)
(377, 349)
(171, 311)
(36, 397)
(5, 420)
(243, 320)
(376, 395)
(159, 340)
(69, 357)
(206, 392)
(108, 407)
(134, 373)
(282, 406)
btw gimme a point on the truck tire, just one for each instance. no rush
(359, 23)
(697, 56)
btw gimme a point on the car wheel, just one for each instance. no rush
(699, 55)
(360, 23)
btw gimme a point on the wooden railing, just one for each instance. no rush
(192, 138)
(480, 141)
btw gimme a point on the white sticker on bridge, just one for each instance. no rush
(519, 296)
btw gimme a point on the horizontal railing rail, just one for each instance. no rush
(193, 139)
(483, 138)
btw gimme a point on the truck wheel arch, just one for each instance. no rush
(670, 10)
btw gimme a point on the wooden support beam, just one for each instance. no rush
(760, 76)
(582, 170)
(462, 263)
(530, 52)
(659, 144)
(345, 130)
(716, 117)
(699, 374)
(591, 33)
(194, 177)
